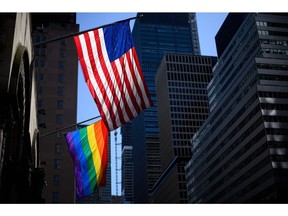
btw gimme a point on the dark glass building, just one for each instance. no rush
(240, 154)
(181, 87)
(154, 35)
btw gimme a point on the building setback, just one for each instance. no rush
(240, 154)
(182, 105)
(154, 35)
(56, 67)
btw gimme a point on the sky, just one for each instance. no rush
(208, 26)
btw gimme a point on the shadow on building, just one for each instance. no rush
(21, 177)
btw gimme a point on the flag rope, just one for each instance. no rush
(78, 33)
(73, 125)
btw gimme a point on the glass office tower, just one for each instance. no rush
(154, 35)
(240, 154)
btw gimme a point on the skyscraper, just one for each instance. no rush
(182, 104)
(154, 35)
(239, 155)
(56, 67)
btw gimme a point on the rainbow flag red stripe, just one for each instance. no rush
(88, 148)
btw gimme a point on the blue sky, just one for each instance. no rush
(208, 26)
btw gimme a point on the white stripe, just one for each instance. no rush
(139, 80)
(102, 75)
(131, 81)
(113, 78)
(92, 78)
(125, 91)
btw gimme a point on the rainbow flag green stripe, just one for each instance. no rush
(88, 148)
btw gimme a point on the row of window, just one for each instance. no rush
(184, 103)
(272, 24)
(205, 71)
(274, 42)
(188, 97)
(272, 33)
(59, 104)
(41, 77)
(189, 59)
(275, 51)
(188, 91)
(187, 84)
(189, 109)
(189, 116)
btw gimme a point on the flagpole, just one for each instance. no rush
(81, 32)
(64, 128)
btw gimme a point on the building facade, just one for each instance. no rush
(21, 177)
(127, 174)
(182, 105)
(239, 155)
(154, 35)
(56, 67)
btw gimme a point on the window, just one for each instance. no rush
(56, 180)
(61, 65)
(63, 41)
(56, 197)
(40, 103)
(62, 53)
(59, 118)
(60, 104)
(57, 164)
(58, 134)
(60, 91)
(58, 148)
(40, 90)
(61, 78)
(40, 76)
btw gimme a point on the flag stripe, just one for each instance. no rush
(125, 94)
(110, 78)
(102, 106)
(77, 164)
(135, 80)
(103, 150)
(140, 79)
(81, 157)
(96, 158)
(87, 153)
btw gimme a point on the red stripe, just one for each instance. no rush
(129, 87)
(121, 87)
(134, 53)
(111, 85)
(99, 82)
(135, 82)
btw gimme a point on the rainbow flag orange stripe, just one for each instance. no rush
(88, 148)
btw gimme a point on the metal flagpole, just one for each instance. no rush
(64, 128)
(78, 33)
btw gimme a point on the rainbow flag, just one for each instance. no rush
(88, 148)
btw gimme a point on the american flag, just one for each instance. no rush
(113, 74)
